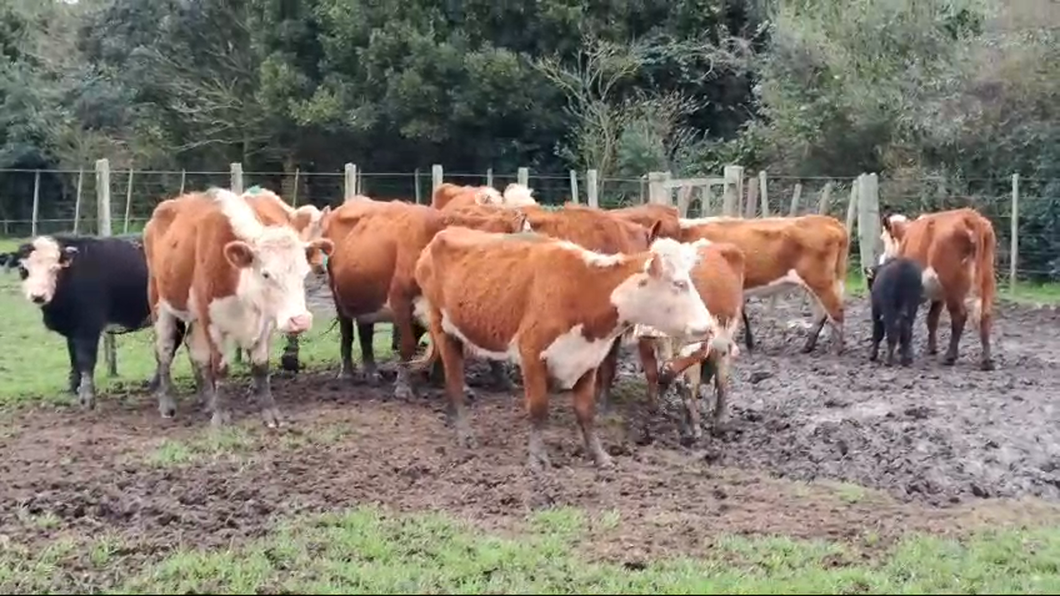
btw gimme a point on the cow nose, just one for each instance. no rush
(697, 330)
(299, 323)
(37, 298)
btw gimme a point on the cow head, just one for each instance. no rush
(273, 268)
(892, 231)
(663, 295)
(518, 195)
(309, 221)
(39, 264)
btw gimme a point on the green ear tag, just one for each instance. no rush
(253, 190)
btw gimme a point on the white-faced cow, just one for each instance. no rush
(551, 306)
(84, 284)
(233, 275)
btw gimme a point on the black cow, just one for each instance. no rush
(84, 284)
(897, 289)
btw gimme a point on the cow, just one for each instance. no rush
(718, 277)
(897, 289)
(448, 194)
(82, 285)
(230, 273)
(307, 221)
(596, 230)
(667, 217)
(371, 273)
(551, 306)
(808, 252)
(956, 250)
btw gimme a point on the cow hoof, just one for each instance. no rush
(373, 378)
(538, 462)
(603, 460)
(986, 365)
(167, 410)
(466, 440)
(907, 362)
(470, 394)
(949, 360)
(404, 392)
(219, 419)
(88, 403)
(721, 428)
(289, 363)
(272, 418)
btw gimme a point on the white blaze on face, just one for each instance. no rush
(42, 268)
(663, 296)
(273, 265)
(517, 195)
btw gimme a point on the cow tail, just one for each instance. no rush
(427, 360)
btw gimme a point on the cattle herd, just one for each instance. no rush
(490, 275)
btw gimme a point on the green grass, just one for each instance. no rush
(367, 550)
(37, 370)
(235, 442)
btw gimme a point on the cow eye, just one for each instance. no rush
(680, 285)
(266, 275)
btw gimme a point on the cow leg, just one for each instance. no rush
(166, 343)
(650, 364)
(688, 385)
(832, 305)
(87, 348)
(892, 338)
(535, 389)
(606, 377)
(208, 358)
(986, 362)
(721, 367)
(403, 388)
(933, 315)
(346, 370)
(365, 337)
(958, 316)
(747, 339)
(585, 410)
(877, 336)
(75, 374)
(395, 339)
(451, 351)
(259, 372)
(289, 359)
(905, 340)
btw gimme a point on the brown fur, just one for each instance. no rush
(815, 246)
(448, 194)
(719, 279)
(648, 214)
(960, 245)
(595, 230)
(497, 288)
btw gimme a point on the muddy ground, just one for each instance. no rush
(935, 440)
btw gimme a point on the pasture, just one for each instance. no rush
(840, 476)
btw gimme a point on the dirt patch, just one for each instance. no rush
(928, 433)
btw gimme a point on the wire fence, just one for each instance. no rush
(52, 201)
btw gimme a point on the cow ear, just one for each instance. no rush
(653, 231)
(522, 223)
(325, 211)
(885, 221)
(239, 254)
(67, 256)
(322, 244)
(655, 267)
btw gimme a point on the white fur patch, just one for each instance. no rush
(592, 258)
(932, 286)
(570, 355)
(685, 222)
(517, 195)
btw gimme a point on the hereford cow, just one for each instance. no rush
(718, 276)
(956, 250)
(371, 272)
(666, 217)
(782, 253)
(232, 274)
(551, 306)
(448, 193)
(596, 230)
(83, 284)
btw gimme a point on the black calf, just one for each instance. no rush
(897, 291)
(83, 285)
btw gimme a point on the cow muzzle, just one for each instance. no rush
(297, 324)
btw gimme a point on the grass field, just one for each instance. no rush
(373, 548)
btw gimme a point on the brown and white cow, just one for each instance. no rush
(449, 194)
(667, 217)
(553, 307)
(596, 230)
(371, 271)
(231, 275)
(718, 276)
(957, 249)
(808, 252)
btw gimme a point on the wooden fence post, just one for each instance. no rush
(183, 179)
(297, 183)
(36, 203)
(77, 200)
(750, 208)
(104, 229)
(852, 206)
(489, 177)
(868, 219)
(416, 186)
(523, 176)
(591, 189)
(349, 186)
(763, 191)
(826, 197)
(733, 190)
(436, 177)
(574, 186)
(236, 172)
(128, 201)
(796, 196)
(1014, 248)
